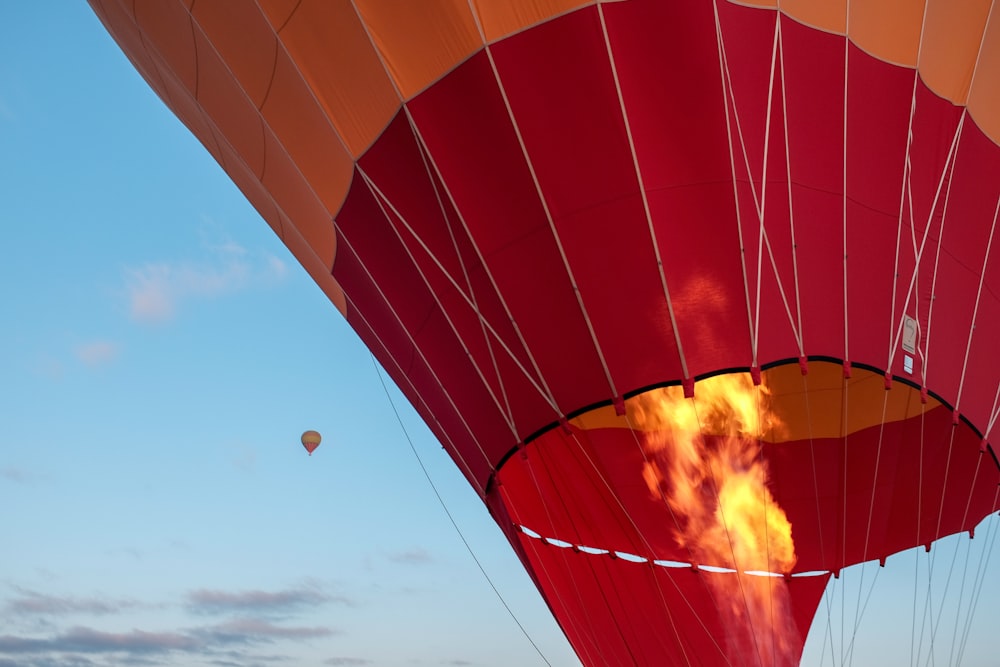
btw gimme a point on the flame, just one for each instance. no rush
(703, 459)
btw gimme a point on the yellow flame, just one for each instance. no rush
(703, 458)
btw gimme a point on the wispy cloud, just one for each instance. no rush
(12, 474)
(156, 290)
(347, 662)
(245, 458)
(210, 601)
(32, 602)
(96, 353)
(5, 111)
(62, 660)
(415, 556)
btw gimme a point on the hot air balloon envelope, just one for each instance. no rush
(311, 440)
(700, 297)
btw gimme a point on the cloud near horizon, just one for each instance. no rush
(81, 645)
(211, 601)
(256, 630)
(32, 602)
(251, 620)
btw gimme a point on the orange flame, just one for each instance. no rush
(703, 458)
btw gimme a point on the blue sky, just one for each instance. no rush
(160, 354)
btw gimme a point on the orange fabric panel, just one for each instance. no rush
(947, 50)
(888, 29)
(828, 15)
(294, 145)
(952, 35)
(420, 41)
(310, 169)
(773, 4)
(224, 101)
(262, 200)
(317, 267)
(500, 19)
(115, 13)
(244, 41)
(278, 11)
(984, 98)
(166, 27)
(343, 70)
(810, 406)
(814, 405)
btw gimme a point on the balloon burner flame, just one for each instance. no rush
(704, 460)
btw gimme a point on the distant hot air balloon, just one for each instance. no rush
(311, 440)
(700, 296)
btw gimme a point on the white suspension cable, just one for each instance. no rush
(461, 417)
(645, 199)
(543, 201)
(383, 202)
(724, 72)
(451, 518)
(465, 271)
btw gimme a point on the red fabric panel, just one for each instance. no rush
(469, 135)
(813, 63)
(878, 111)
(973, 183)
(617, 612)
(580, 152)
(416, 335)
(672, 90)
(972, 204)
(435, 238)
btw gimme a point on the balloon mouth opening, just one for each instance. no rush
(812, 414)
(713, 568)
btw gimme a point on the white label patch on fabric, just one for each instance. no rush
(909, 335)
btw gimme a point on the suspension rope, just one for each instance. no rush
(645, 199)
(724, 69)
(529, 163)
(561, 500)
(729, 537)
(686, 545)
(920, 505)
(978, 587)
(819, 513)
(447, 512)
(424, 158)
(791, 207)
(614, 495)
(383, 202)
(509, 502)
(767, 539)
(860, 616)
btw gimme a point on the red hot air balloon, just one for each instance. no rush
(701, 297)
(311, 440)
